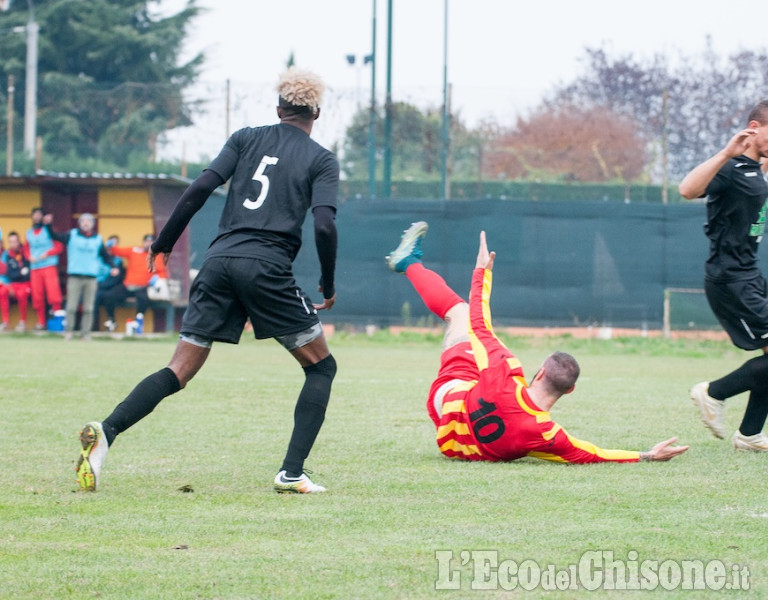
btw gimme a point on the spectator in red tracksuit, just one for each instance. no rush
(43, 251)
(14, 268)
(137, 276)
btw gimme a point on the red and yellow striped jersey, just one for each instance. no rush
(492, 417)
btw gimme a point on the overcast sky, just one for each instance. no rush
(503, 55)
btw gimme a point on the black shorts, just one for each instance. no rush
(742, 309)
(227, 291)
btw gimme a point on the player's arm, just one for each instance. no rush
(326, 241)
(563, 447)
(55, 235)
(105, 255)
(488, 349)
(694, 185)
(58, 248)
(190, 202)
(325, 192)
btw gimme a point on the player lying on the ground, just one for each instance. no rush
(480, 402)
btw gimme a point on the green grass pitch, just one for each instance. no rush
(393, 500)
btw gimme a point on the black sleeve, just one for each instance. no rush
(326, 240)
(104, 255)
(190, 202)
(59, 237)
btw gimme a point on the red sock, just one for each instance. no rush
(433, 289)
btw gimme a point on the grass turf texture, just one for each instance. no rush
(393, 500)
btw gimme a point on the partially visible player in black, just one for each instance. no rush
(735, 287)
(277, 173)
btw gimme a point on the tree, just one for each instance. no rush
(568, 143)
(689, 111)
(416, 141)
(109, 82)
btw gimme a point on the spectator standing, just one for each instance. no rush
(43, 251)
(14, 273)
(85, 253)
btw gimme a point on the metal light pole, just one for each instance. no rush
(30, 93)
(9, 146)
(387, 192)
(446, 113)
(372, 115)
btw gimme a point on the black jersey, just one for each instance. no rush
(736, 204)
(277, 174)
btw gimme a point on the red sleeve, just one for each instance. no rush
(565, 448)
(121, 252)
(57, 248)
(488, 349)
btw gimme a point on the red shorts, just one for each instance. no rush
(457, 363)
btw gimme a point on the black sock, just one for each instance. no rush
(309, 414)
(752, 375)
(140, 402)
(756, 412)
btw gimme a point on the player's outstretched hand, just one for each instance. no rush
(484, 258)
(665, 450)
(327, 303)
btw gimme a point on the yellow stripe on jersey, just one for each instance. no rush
(464, 386)
(541, 415)
(486, 304)
(454, 406)
(460, 448)
(456, 427)
(547, 456)
(548, 435)
(481, 356)
(605, 454)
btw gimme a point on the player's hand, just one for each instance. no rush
(327, 303)
(665, 450)
(740, 142)
(152, 257)
(484, 258)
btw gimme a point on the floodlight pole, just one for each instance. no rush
(387, 191)
(446, 132)
(9, 147)
(30, 94)
(372, 116)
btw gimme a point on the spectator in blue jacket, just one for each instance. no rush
(86, 254)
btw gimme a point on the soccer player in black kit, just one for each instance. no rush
(735, 287)
(277, 173)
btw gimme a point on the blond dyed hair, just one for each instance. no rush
(301, 87)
